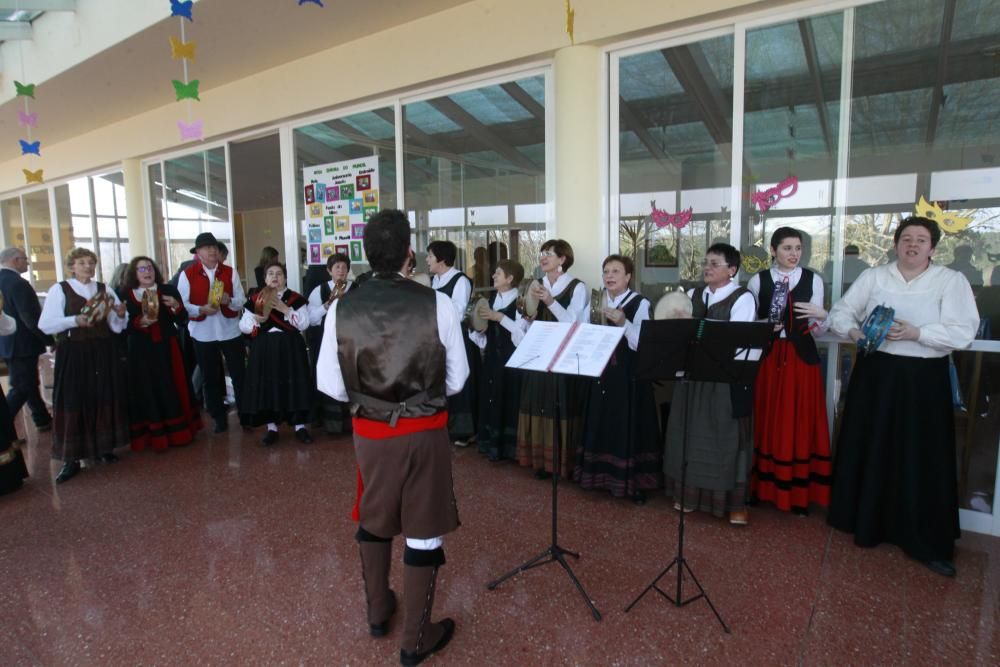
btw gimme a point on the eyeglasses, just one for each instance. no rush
(145, 268)
(713, 264)
(547, 253)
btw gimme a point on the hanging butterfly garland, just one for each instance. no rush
(183, 50)
(28, 119)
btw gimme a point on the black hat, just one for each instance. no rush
(204, 239)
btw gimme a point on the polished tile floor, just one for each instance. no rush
(225, 553)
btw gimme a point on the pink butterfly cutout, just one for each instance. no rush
(28, 119)
(765, 199)
(191, 132)
(679, 220)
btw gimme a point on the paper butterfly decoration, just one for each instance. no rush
(182, 9)
(661, 218)
(191, 131)
(33, 176)
(27, 119)
(186, 90)
(25, 89)
(765, 199)
(33, 148)
(947, 221)
(570, 20)
(754, 264)
(179, 49)
(315, 2)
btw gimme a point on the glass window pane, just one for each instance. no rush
(41, 249)
(13, 228)
(197, 200)
(160, 254)
(74, 229)
(675, 148)
(475, 174)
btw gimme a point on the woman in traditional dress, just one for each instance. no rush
(548, 399)
(162, 410)
(279, 386)
(13, 472)
(89, 399)
(621, 450)
(718, 414)
(791, 435)
(895, 476)
(499, 386)
(334, 416)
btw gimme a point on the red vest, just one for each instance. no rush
(200, 285)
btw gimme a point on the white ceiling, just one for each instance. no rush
(236, 38)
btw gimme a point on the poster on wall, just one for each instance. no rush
(339, 199)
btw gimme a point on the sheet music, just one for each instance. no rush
(586, 352)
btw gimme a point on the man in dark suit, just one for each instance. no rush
(22, 348)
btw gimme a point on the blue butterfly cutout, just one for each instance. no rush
(178, 8)
(315, 2)
(34, 148)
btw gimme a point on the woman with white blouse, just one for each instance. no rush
(89, 399)
(279, 385)
(791, 436)
(545, 397)
(895, 475)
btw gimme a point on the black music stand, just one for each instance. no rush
(554, 553)
(706, 351)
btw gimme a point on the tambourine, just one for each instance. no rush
(1, 301)
(875, 328)
(96, 309)
(215, 293)
(673, 306)
(477, 316)
(779, 299)
(597, 303)
(529, 301)
(264, 301)
(339, 289)
(150, 304)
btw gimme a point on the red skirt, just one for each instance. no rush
(792, 463)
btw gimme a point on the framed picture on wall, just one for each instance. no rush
(662, 246)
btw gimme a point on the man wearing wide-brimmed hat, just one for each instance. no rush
(214, 328)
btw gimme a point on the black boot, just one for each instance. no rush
(376, 560)
(69, 470)
(420, 637)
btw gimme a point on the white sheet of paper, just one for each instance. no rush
(586, 353)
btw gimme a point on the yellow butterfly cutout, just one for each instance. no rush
(947, 221)
(33, 176)
(754, 264)
(179, 49)
(570, 18)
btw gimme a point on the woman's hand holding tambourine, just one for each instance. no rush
(280, 306)
(543, 294)
(145, 322)
(84, 321)
(855, 335)
(614, 315)
(805, 309)
(903, 330)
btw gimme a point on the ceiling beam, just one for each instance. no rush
(812, 60)
(464, 119)
(635, 122)
(38, 6)
(937, 97)
(522, 97)
(13, 30)
(691, 68)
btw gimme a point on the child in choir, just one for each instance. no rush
(719, 431)
(279, 386)
(620, 450)
(791, 438)
(500, 387)
(89, 399)
(334, 415)
(560, 298)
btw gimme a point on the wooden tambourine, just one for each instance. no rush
(478, 316)
(151, 305)
(529, 300)
(96, 309)
(264, 301)
(339, 289)
(673, 306)
(215, 293)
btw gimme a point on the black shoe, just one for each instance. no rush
(42, 428)
(69, 469)
(269, 438)
(302, 435)
(221, 426)
(409, 658)
(800, 511)
(542, 474)
(943, 567)
(109, 458)
(382, 629)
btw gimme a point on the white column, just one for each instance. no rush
(138, 239)
(578, 135)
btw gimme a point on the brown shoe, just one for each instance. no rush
(376, 559)
(739, 518)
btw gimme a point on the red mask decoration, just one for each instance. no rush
(765, 199)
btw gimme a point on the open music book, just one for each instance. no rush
(572, 348)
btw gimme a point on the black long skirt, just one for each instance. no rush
(895, 475)
(462, 406)
(499, 401)
(162, 409)
(278, 386)
(89, 399)
(12, 468)
(332, 415)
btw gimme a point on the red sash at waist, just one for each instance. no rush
(376, 430)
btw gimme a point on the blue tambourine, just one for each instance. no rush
(875, 328)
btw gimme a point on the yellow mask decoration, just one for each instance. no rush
(947, 221)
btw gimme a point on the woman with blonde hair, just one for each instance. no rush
(89, 400)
